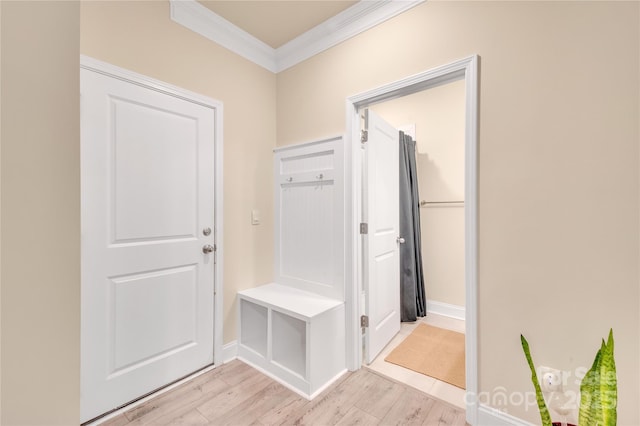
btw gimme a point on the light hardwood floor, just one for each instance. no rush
(236, 394)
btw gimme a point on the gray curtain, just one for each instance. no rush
(412, 296)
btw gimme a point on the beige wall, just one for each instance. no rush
(40, 198)
(40, 163)
(559, 182)
(140, 36)
(439, 118)
(558, 169)
(0, 216)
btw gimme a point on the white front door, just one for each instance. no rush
(147, 206)
(380, 246)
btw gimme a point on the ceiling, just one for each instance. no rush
(276, 22)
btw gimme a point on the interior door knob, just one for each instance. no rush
(208, 249)
(400, 240)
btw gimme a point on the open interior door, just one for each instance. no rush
(381, 273)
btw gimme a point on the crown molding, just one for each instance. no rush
(203, 21)
(358, 18)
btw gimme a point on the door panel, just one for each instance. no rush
(381, 253)
(168, 141)
(143, 328)
(147, 286)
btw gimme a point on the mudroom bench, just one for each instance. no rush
(294, 329)
(292, 335)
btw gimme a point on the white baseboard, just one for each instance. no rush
(230, 351)
(275, 377)
(488, 416)
(445, 309)
(328, 384)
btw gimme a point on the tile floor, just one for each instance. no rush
(441, 390)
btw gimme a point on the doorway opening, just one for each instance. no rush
(431, 243)
(466, 70)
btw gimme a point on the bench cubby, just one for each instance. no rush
(294, 336)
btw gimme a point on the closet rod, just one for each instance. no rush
(426, 203)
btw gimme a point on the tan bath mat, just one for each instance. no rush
(432, 351)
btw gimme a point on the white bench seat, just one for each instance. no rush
(297, 303)
(292, 335)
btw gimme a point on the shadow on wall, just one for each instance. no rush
(432, 185)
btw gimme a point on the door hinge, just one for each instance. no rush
(364, 228)
(364, 136)
(364, 321)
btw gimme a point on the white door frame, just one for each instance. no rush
(466, 69)
(157, 85)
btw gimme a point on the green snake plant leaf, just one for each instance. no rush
(599, 389)
(590, 394)
(608, 384)
(542, 406)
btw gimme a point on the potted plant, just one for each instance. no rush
(598, 389)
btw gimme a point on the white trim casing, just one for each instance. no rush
(471, 236)
(348, 23)
(92, 64)
(466, 69)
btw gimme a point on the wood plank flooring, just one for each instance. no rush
(237, 394)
